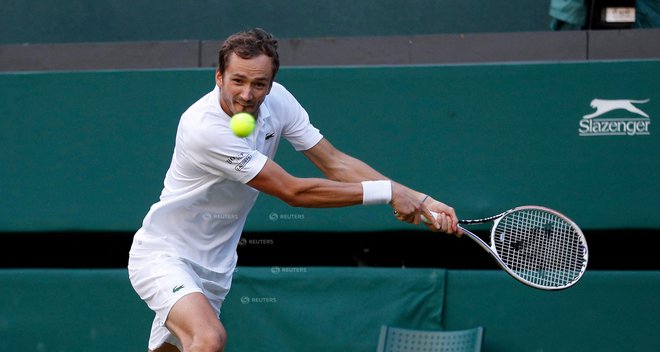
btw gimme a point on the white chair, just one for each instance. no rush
(394, 339)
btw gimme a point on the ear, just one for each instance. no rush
(218, 78)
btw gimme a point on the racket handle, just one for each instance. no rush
(424, 219)
(435, 215)
(468, 222)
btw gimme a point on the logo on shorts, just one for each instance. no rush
(177, 288)
(616, 123)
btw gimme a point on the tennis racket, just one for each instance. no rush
(537, 246)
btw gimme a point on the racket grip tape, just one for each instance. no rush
(435, 215)
(428, 221)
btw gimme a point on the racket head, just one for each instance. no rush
(540, 247)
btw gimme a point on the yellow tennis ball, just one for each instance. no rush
(242, 124)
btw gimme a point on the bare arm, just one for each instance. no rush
(339, 166)
(343, 188)
(408, 203)
(305, 192)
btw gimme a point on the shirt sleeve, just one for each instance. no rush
(216, 150)
(298, 130)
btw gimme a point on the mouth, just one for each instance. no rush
(241, 107)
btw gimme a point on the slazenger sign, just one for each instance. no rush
(634, 125)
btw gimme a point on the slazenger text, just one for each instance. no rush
(614, 127)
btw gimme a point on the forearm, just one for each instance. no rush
(339, 166)
(354, 170)
(349, 169)
(322, 193)
(342, 167)
(306, 192)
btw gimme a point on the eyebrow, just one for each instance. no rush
(242, 76)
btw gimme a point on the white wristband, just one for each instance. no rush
(376, 192)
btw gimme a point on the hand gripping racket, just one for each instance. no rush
(537, 246)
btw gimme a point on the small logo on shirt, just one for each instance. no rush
(177, 288)
(243, 163)
(270, 135)
(232, 159)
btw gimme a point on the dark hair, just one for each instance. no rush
(249, 44)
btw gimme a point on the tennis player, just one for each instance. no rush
(182, 258)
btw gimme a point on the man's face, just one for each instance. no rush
(244, 84)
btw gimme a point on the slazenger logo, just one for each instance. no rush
(593, 125)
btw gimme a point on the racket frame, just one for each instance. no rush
(492, 250)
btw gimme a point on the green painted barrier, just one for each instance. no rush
(71, 310)
(89, 151)
(605, 311)
(329, 309)
(32, 21)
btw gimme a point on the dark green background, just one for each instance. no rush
(89, 150)
(40, 21)
(330, 309)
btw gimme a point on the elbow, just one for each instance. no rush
(297, 194)
(293, 199)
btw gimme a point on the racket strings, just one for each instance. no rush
(540, 247)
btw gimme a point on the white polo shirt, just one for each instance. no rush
(205, 201)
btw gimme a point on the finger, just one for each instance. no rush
(454, 221)
(432, 221)
(445, 224)
(415, 217)
(451, 218)
(441, 222)
(409, 218)
(458, 231)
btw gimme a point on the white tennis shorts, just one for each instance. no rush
(161, 280)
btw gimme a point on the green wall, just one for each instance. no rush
(330, 309)
(89, 150)
(71, 310)
(605, 311)
(34, 21)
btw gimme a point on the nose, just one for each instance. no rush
(246, 93)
